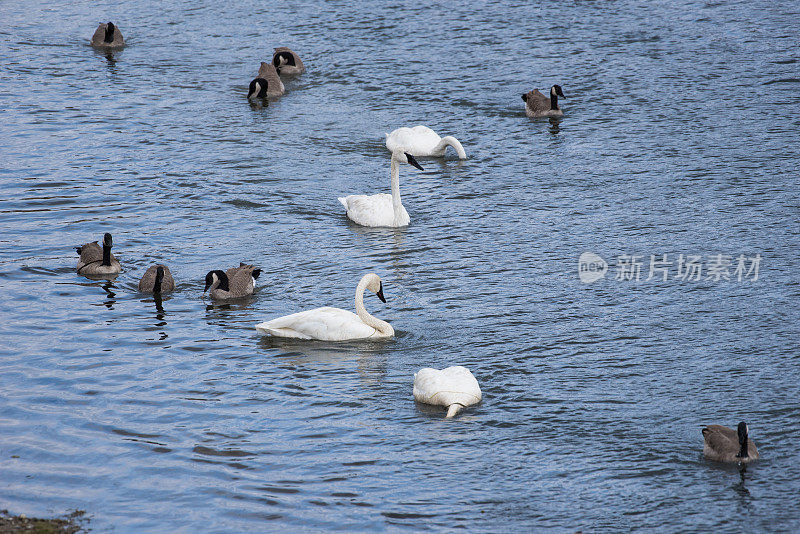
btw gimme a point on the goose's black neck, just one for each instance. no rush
(741, 431)
(106, 255)
(553, 100)
(743, 449)
(223, 281)
(159, 279)
(109, 38)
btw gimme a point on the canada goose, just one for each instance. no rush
(538, 105)
(422, 141)
(258, 89)
(157, 279)
(275, 86)
(382, 209)
(723, 444)
(96, 260)
(454, 388)
(334, 324)
(108, 36)
(237, 282)
(287, 62)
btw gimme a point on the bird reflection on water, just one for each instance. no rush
(111, 300)
(554, 125)
(160, 317)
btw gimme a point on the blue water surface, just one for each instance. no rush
(679, 138)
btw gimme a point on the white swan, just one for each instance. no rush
(454, 387)
(334, 324)
(381, 209)
(422, 141)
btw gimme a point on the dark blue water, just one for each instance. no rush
(680, 137)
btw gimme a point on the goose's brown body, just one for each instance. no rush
(240, 282)
(92, 255)
(275, 85)
(148, 281)
(538, 105)
(99, 38)
(722, 444)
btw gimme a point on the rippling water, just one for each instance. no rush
(680, 136)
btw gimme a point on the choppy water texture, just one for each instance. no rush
(680, 136)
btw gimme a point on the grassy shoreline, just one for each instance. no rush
(69, 524)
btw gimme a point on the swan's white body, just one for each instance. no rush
(381, 209)
(375, 210)
(454, 388)
(422, 141)
(333, 324)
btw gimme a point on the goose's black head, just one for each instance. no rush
(217, 275)
(258, 89)
(107, 241)
(413, 162)
(283, 58)
(556, 89)
(256, 273)
(109, 38)
(380, 293)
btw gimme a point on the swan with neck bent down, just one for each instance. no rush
(454, 388)
(422, 141)
(334, 324)
(382, 209)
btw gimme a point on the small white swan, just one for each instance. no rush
(454, 387)
(422, 141)
(334, 324)
(381, 209)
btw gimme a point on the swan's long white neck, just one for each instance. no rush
(453, 409)
(453, 142)
(381, 326)
(397, 204)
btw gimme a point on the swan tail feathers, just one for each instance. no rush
(277, 331)
(453, 410)
(343, 200)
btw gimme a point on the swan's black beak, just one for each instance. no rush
(413, 162)
(380, 293)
